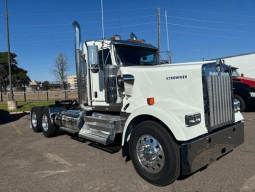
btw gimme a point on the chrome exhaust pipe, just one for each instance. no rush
(80, 68)
(77, 35)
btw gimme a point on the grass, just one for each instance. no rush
(25, 106)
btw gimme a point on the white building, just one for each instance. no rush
(72, 79)
(244, 62)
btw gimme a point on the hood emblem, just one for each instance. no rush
(177, 77)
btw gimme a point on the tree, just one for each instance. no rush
(19, 75)
(4, 70)
(60, 68)
(20, 79)
(3, 77)
(46, 85)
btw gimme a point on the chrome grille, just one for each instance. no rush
(219, 90)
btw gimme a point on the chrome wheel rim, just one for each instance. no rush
(34, 119)
(150, 153)
(239, 101)
(45, 122)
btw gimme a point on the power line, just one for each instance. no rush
(131, 25)
(185, 18)
(42, 41)
(63, 24)
(81, 30)
(192, 26)
(132, 18)
(207, 12)
(200, 34)
(99, 36)
(41, 33)
(35, 14)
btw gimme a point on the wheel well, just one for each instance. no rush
(241, 97)
(141, 118)
(238, 95)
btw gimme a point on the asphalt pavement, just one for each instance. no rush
(31, 162)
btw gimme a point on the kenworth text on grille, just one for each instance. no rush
(171, 119)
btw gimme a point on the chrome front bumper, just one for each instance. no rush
(200, 152)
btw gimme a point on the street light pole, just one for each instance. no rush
(8, 46)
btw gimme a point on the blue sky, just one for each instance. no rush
(39, 30)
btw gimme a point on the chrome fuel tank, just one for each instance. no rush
(72, 119)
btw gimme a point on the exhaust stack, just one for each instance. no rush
(80, 68)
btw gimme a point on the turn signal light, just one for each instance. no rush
(150, 101)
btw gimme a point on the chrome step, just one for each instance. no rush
(96, 138)
(101, 128)
(96, 135)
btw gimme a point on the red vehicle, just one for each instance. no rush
(242, 79)
(244, 89)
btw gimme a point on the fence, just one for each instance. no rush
(41, 95)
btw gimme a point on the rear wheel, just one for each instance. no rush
(154, 154)
(242, 103)
(48, 129)
(36, 119)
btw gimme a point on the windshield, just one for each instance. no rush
(235, 73)
(131, 55)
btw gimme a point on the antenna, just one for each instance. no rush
(158, 33)
(169, 59)
(102, 17)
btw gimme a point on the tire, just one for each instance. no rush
(48, 129)
(242, 103)
(165, 167)
(35, 119)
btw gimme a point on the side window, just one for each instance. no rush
(107, 57)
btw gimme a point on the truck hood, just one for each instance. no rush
(177, 91)
(245, 80)
(179, 84)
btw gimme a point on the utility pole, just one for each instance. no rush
(158, 34)
(12, 105)
(8, 47)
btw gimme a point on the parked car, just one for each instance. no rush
(244, 89)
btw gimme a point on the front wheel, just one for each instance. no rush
(154, 154)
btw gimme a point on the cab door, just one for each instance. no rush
(97, 79)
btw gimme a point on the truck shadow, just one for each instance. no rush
(6, 117)
(112, 148)
(183, 177)
(250, 110)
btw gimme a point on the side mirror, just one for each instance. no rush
(93, 58)
(242, 75)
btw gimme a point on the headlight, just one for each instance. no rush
(236, 105)
(252, 94)
(193, 119)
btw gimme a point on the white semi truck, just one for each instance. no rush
(173, 119)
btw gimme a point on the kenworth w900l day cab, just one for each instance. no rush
(173, 119)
